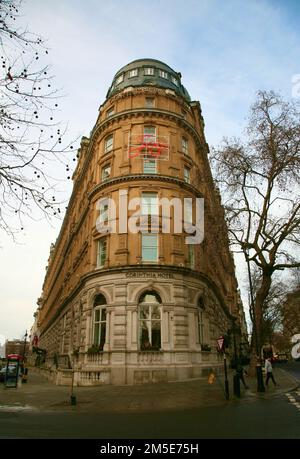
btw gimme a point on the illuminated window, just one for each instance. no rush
(109, 143)
(150, 322)
(99, 321)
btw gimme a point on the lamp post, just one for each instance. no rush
(259, 375)
(24, 348)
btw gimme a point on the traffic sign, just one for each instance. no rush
(221, 343)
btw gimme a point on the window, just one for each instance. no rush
(188, 212)
(133, 73)
(149, 102)
(109, 143)
(105, 173)
(186, 174)
(150, 204)
(101, 253)
(184, 145)
(149, 134)
(200, 320)
(103, 212)
(149, 71)
(110, 112)
(99, 321)
(150, 247)
(149, 166)
(120, 79)
(175, 81)
(150, 321)
(63, 333)
(163, 74)
(191, 256)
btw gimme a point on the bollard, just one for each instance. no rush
(73, 400)
(236, 385)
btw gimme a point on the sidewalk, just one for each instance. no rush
(38, 394)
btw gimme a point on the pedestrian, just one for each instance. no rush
(269, 371)
(240, 371)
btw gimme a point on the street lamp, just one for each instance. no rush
(259, 375)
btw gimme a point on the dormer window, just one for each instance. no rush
(133, 73)
(120, 79)
(163, 74)
(175, 81)
(149, 71)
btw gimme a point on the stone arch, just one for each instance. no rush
(151, 286)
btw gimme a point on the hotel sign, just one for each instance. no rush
(150, 275)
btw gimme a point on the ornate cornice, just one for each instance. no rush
(146, 178)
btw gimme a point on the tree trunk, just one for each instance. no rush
(257, 331)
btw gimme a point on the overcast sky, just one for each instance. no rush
(225, 51)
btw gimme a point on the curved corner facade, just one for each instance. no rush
(123, 307)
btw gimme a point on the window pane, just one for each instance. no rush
(97, 315)
(103, 314)
(144, 312)
(149, 133)
(149, 247)
(101, 253)
(149, 166)
(102, 336)
(96, 333)
(156, 336)
(105, 173)
(149, 71)
(155, 312)
(187, 175)
(188, 212)
(184, 145)
(133, 73)
(145, 336)
(150, 204)
(108, 144)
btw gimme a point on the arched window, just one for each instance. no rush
(150, 321)
(99, 321)
(200, 311)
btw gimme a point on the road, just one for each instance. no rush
(277, 418)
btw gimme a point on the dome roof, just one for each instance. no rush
(148, 72)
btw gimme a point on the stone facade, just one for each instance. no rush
(95, 309)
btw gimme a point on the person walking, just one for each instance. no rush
(269, 372)
(240, 371)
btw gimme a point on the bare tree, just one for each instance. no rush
(259, 181)
(30, 137)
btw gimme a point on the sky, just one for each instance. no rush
(225, 51)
